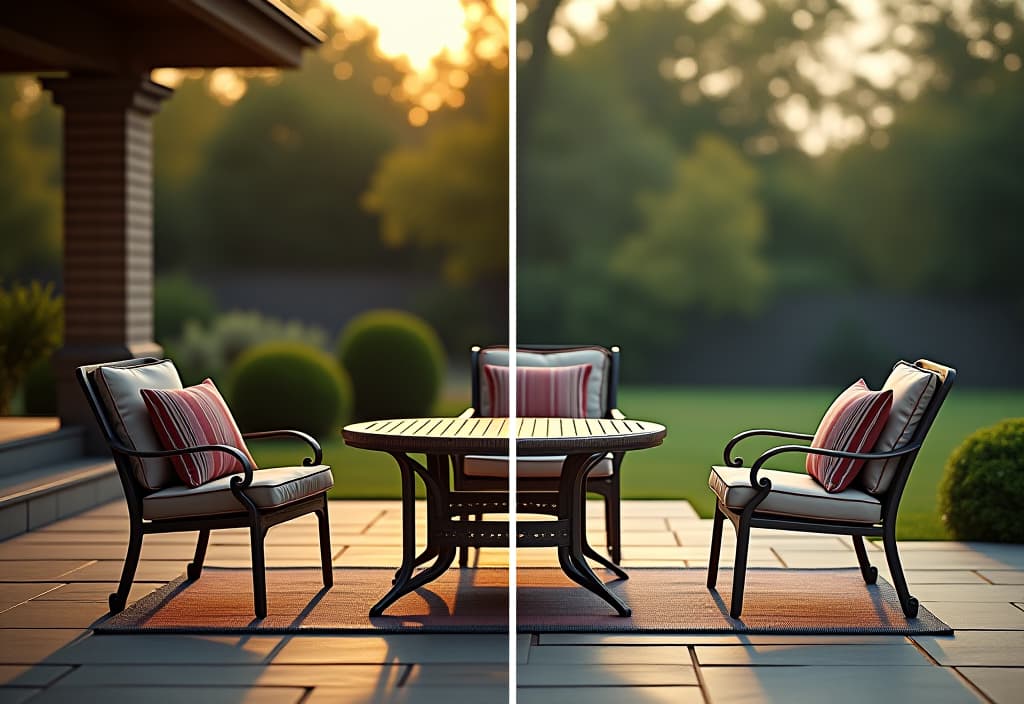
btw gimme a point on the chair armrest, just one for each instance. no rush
(468, 413)
(318, 453)
(730, 461)
(236, 481)
(616, 414)
(782, 449)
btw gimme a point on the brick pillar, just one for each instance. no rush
(108, 228)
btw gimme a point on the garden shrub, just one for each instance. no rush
(285, 384)
(396, 362)
(177, 300)
(31, 324)
(982, 491)
(209, 350)
(39, 389)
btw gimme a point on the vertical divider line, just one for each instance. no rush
(513, 641)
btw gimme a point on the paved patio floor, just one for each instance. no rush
(54, 584)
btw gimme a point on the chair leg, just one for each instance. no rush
(869, 572)
(325, 545)
(716, 547)
(259, 568)
(613, 520)
(739, 570)
(195, 568)
(899, 581)
(117, 600)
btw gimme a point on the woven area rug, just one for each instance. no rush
(476, 601)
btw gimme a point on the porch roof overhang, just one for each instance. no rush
(130, 37)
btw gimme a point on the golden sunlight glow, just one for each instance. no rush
(417, 30)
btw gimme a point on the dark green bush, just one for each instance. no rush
(396, 362)
(31, 322)
(40, 389)
(178, 300)
(982, 491)
(285, 384)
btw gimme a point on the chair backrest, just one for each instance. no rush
(602, 383)
(113, 392)
(946, 377)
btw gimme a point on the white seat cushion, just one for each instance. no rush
(795, 495)
(270, 488)
(549, 467)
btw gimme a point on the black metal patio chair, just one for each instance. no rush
(755, 497)
(541, 474)
(158, 502)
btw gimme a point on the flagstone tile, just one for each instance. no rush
(609, 695)
(713, 639)
(812, 654)
(30, 675)
(409, 695)
(610, 655)
(458, 674)
(395, 649)
(916, 577)
(57, 614)
(79, 524)
(42, 570)
(606, 675)
(138, 649)
(985, 615)
(1003, 685)
(110, 571)
(31, 646)
(977, 592)
(13, 593)
(835, 685)
(95, 591)
(357, 676)
(1003, 576)
(174, 695)
(976, 648)
(10, 695)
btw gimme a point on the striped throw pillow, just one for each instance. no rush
(852, 424)
(541, 392)
(196, 415)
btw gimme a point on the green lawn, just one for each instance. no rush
(699, 422)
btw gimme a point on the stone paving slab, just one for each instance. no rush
(976, 648)
(409, 695)
(367, 677)
(174, 695)
(610, 655)
(1003, 685)
(610, 695)
(57, 614)
(32, 646)
(863, 655)
(835, 685)
(394, 649)
(14, 593)
(1003, 576)
(713, 639)
(30, 675)
(148, 650)
(606, 675)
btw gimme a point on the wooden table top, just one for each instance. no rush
(534, 436)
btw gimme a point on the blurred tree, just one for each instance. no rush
(29, 182)
(285, 171)
(699, 245)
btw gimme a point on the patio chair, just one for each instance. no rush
(159, 502)
(763, 498)
(600, 382)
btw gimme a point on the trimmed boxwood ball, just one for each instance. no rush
(982, 491)
(396, 362)
(282, 385)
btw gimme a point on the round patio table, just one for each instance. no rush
(583, 441)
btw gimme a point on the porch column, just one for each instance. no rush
(108, 228)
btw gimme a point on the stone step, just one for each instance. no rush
(41, 450)
(35, 497)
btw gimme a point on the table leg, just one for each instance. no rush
(404, 581)
(572, 492)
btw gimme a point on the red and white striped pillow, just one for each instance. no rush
(541, 392)
(196, 415)
(852, 424)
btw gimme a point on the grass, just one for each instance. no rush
(700, 421)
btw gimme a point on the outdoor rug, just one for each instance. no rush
(476, 601)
